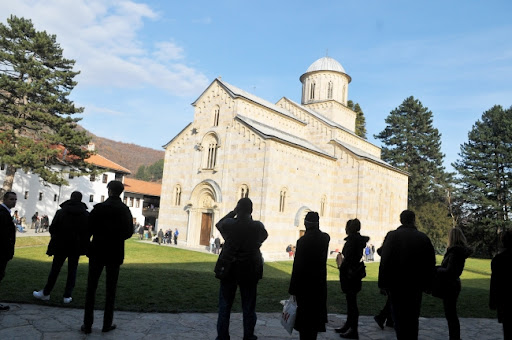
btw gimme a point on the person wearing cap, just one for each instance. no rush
(405, 272)
(241, 254)
(69, 240)
(309, 279)
(110, 224)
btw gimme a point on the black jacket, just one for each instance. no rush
(110, 224)
(352, 254)
(500, 297)
(7, 235)
(407, 260)
(309, 280)
(68, 230)
(451, 268)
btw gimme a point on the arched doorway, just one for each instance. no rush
(202, 212)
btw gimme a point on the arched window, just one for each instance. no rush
(177, 195)
(329, 90)
(343, 94)
(244, 191)
(322, 206)
(210, 146)
(282, 200)
(216, 113)
(312, 91)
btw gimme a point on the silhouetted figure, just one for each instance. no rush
(7, 234)
(385, 316)
(449, 272)
(239, 264)
(500, 298)
(69, 240)
(309, 279)
(406, 268)
(110, 224)
(352, 271)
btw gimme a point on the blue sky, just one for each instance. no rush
(143, 62)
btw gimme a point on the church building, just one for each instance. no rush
(289, 158)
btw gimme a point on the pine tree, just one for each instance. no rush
(360, 119)
(411, 143)
(36, 127)
(485, 180)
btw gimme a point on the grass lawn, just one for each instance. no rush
(165, 279)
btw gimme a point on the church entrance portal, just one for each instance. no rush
(206, 229)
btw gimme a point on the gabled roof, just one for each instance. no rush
(142, 187)
(236, 92)
(365, 155)
(102, 162)
(268, 132)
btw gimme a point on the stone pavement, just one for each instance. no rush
(31, 322)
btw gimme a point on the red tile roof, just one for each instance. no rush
(102, 162)
(141, 187)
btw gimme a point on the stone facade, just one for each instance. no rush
(289, 158)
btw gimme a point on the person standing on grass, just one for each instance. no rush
(69, 240)
(239, 264)
(405, 272)
(449, 273)
(309, 279)
(110, 224)
(500, 297)
(176, 233)
(7, 234)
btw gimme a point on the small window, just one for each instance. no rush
(2, 166)
(71, 174)
(26, 195)
(55, 197)
(216, 113)
(102, 198)
(329, 90)
(91, 198)
(137, 203)
(105, 178)
(40, 196)
(177, 195)
(322, 206)
(244, 191)
(93, 177)
(125, 200)
(312, 91)
(131, 202)
(282, 200)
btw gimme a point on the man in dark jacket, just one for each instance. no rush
(309, 279)
(110, 224)
(241, 253)
(69, 239)
(7, 234)
(406, 269)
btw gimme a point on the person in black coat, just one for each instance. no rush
(309, 279)
(110, 224)
(241, 253)
(7, 234)
(500, 297)
(69, 239)
(405, 272)
(352, 271)
(449, 273)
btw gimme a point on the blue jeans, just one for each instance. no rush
(227, 293)
(58, 261)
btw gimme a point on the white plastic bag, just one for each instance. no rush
(289, 314)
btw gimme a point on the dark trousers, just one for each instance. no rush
(227, 293)
(308, 335)
(3, 265)
(352, 310)
(507, 328)
(385, 313)
(450, 312)
(95, 269)
(58, 261)
(405, 307)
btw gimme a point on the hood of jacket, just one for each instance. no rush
(462, 251)
(358, 238)
(74, 207)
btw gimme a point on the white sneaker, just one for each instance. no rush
(40, 295)
(67, 300)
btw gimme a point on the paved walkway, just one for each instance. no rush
(31, 322)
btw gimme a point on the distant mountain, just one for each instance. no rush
(130, 156)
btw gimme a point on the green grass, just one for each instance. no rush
(166, 279)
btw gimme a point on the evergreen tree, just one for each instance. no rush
(360, 119)
(411, 143)
(485, 180)
(151, 173)
(36, 127)
(142, 173)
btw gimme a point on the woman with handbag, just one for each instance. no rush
(449, 275)
(352, 271)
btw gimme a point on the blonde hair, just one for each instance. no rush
(456, 238)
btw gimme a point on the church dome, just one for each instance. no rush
(326, 64)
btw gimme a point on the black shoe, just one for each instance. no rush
(86, 329)
(350, 334)
(4, 308)
(378, 319)
(108, 328)
(390, 323)
(342, 329)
